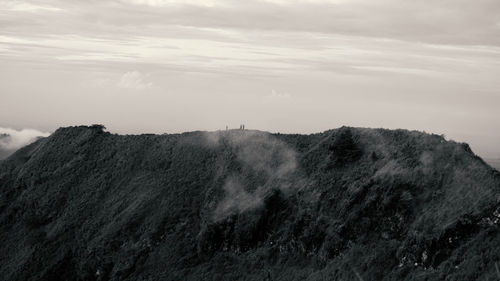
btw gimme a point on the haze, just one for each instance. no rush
(165, 66)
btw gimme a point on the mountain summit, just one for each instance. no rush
(345, 204)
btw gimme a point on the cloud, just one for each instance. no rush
(21, 6)
(237, 198)
(134, 80)
(212, 3)
(11, 139)
(160, 3)
(451, 22)
(257, 152)
(399, 70)
(274, 35)
(278, 95)
(447, 22)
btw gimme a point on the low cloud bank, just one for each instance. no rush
(11, 139)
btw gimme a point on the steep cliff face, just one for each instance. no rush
(346, 204)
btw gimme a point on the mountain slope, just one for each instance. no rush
(346, 204)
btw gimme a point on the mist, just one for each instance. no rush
(260, 153)
(11, 139)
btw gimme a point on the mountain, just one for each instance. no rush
(345, 204)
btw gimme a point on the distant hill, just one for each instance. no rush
(345, 204)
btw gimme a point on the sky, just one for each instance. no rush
(289, 66)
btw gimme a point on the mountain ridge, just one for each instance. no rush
(344, 204)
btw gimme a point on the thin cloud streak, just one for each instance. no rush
(457, 22)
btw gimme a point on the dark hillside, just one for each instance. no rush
(345, 204)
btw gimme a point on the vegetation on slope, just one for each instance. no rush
(345, 204)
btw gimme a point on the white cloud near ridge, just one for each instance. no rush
(11, 139)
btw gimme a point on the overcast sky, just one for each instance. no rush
(156, 66)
